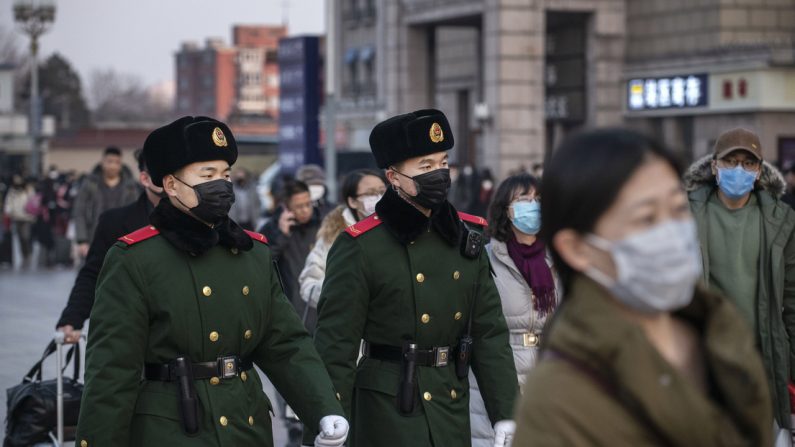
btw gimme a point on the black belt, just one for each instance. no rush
(437, 356)
(223, 368)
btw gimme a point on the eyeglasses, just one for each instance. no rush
(372, 192)
(749, 164)
(524, 199)
(301, 206)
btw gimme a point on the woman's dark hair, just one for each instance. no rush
(499, 222)
(350, 185)
(584, 177)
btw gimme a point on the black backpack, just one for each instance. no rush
(32, 405)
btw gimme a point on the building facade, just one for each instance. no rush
(517, 76)
(238, 82)
(695, 68)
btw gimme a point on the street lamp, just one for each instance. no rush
(34, 18)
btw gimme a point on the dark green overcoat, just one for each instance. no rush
(155, 302)
(407, 280)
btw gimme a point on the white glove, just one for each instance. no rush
(503, 433)
(333, 432)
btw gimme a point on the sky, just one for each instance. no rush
(140, 37)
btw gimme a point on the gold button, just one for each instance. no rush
(213, 336)
(420, 277)
(230, 366)
(151, 227)
(234, 251)
(427, 396)
(247, 334)
(246, 290)
(243, 376)
(376, 217)
(251, 420)
(214, 380)
(83, 443)
(453, 394)
(207, 291)
(224, 421)
(425, 318)
(456, 275)
(458, 315)
(339, 397)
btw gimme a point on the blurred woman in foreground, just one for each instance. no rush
(636, 354)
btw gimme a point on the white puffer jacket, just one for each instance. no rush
(16, 199)
(517, 306)
(311, 277)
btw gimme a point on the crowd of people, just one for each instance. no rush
(611, 297)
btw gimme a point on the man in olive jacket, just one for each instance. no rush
(190, 304)
(109, 185)
(748, 249)
(408, 280)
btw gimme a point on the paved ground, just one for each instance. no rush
(30, 304)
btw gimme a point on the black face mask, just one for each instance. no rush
(432, 187)
(215, 199)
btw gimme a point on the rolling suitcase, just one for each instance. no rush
(6, 246)
(61, 394)
(63, 251)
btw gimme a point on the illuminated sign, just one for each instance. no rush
(299, 102)
(675, 92)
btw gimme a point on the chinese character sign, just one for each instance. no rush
(299, 102)
(675, 92)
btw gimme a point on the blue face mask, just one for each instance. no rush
(736, 182)
(527, 217)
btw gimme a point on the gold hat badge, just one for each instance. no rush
(219, 138)
(437, 136)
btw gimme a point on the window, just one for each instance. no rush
(367, 58)
(352, 70)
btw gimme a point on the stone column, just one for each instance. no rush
(513, 32)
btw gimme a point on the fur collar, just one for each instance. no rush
(335, 223)
(700, 174)
(191, 236)
(406, 223)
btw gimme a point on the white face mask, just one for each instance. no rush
(368, 203)
(316, 192)
(657, 269)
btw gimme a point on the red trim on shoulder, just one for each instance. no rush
(473, 219)
(363, 226)
(139, 235)
(257, 236)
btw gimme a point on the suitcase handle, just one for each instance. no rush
(74, 351)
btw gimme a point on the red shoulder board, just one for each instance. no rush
(257, 236)
(139, 235)
(363, 226)
(477, 220)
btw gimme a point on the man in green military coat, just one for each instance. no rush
(190, 304)
(411, 281)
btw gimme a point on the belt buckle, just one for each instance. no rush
(530, 340)
(228, 366)
(442, 356)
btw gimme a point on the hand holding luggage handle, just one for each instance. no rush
(59, 340)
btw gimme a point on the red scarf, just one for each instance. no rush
(532, 264)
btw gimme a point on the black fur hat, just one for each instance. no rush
(410, 135)
(185, 141)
